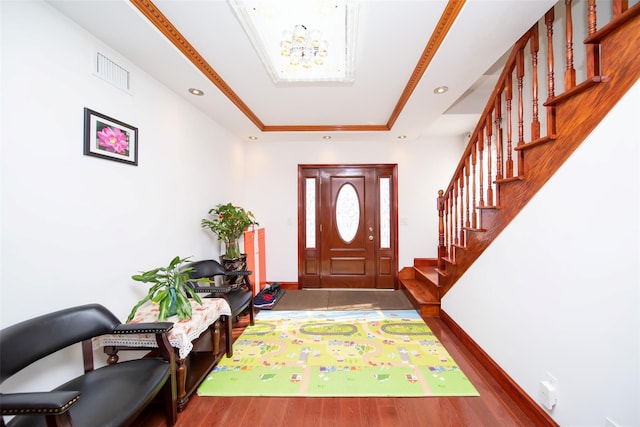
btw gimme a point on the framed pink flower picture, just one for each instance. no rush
(109, 138)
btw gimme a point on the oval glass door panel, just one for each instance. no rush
(347, 212)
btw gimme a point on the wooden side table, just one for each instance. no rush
(196, 342)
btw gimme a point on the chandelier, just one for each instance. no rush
(304, 47)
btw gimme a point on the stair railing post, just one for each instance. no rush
(520, 84)
(474, 216)
(442, 249)
(593, 50)
(534, 48)
(549, 17)
(467, 173)
(570, 72)
(489, 134)
(481, 163)
(508, 92)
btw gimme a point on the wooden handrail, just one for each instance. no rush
(489, 106)
(475, 193)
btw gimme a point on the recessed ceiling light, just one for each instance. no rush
(402, 136)
(440, 90)
(196, 92)
(253, 138)
(326, 137)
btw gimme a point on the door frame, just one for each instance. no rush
(308, 275)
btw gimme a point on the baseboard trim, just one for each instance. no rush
(517, 394)
(289, 285)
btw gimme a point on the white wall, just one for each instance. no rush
(559, 290)
(75, 228)
(424, 167)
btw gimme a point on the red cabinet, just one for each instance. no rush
(254, 248)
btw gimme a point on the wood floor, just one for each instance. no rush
(493, 408)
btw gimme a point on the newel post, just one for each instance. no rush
(442, 249)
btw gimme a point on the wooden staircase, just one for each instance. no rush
(475, 208)
(420, 284)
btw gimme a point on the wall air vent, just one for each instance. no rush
(113, 73)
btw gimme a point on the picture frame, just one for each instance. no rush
(108, 138)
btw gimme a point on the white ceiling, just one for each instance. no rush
(391, 38)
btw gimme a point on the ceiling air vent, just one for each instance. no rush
(115, 74)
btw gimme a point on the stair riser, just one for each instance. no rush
(425, 310)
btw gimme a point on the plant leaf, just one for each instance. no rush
(160, 295)
(163, 309)
(137, 306)
(193, 294)
(164, 279)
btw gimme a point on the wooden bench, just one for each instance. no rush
(112, 395)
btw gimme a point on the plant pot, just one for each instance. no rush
(173, 309)
(235, 264)
(232, 249)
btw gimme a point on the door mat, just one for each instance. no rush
(324, 300)
(337, 353)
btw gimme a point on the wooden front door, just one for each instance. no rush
(347, 226)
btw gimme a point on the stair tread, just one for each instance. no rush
(475, 230)
(420, 291)
(425, 262)
(430, 272)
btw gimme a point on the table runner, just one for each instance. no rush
(182, 334)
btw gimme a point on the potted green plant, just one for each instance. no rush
(169, 290)
(229, 222)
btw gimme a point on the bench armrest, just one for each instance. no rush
(41, 403)
(212, 289)
(143, 328)
(238, 273)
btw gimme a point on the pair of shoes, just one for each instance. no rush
(272, 288)
(268, 297)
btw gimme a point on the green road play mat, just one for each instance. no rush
(337, 353)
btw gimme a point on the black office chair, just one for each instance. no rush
(239, 294)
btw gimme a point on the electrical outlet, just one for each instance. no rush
(549, 391)
(608, 422)
(551, 380)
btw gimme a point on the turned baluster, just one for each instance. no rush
(442, 249)
(534, 49)
(592, 17)
(508, 94)
(456, 236)
(451, 221)
(447, 222)
(520, 85)
(467, 162)
(481, 163)
(619, 7)
(474, 216)
(570, 72)
(593, 49)
(551, 111)
(497, 121)
(460, 182)
(549, 17)
(489, 131)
